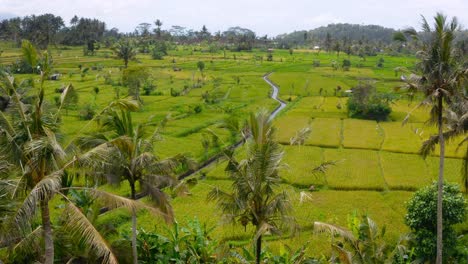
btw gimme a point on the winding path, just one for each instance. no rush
(274, 96)
(215, 158)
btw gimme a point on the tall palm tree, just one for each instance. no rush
(440, 84)
(29, 142)
(125, 50)
(134, 161)
(255, 197)
(456, 119)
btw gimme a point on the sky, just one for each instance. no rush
(271, 17)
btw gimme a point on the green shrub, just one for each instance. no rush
(87, 112)
(270, 57)
(159, 50)
(421, 218)
(149, 87)
(190, 244)
(366, 103)
(346, 64)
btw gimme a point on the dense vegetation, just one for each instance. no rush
(142, 147)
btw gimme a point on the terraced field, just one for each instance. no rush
(377, 165)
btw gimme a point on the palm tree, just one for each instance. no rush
(125, 50)
(363, 244)
(134, 161)
(440, 84)
(28, 140)
(456, 119)
(254, 198)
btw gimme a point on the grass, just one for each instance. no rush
(365, 175)
(407, 172)
(362, 134)
(289, 125)
(402, 138)
(300, 161)
(325, 132)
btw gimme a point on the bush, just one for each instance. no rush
(174, 92)
(156, 55)
(380, 63)
(134, 78)
(87, 112)
(270, 57)
(149, 87)
(159, 50)
(421, 218)
(198, 109)
(366, 103)
(346, 64)
(190, 244)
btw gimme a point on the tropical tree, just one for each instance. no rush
(440, 82)
(125, 50)
(134, 161)
(255, 197)
(33, 153)
(456, 119)
(201, 67)
(158, 23)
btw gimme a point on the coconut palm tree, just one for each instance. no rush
(125, 50)
(255, 197)
(134, 161)
(441, 76)
(456, 119)
(28, 141)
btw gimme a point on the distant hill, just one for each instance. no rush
(352, 32)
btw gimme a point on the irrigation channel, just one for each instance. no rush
(215, 158)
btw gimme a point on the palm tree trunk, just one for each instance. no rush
(134, 225)
(258, 249)
(47, 233)
(440, 184)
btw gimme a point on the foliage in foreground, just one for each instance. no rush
(363, 242)
(420, 218)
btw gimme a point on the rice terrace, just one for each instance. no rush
(345, 143)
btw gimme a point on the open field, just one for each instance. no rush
(377, 163)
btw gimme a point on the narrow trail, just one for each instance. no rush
(215, 158)
(274, 96)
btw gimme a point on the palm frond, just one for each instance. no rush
(333, 230)
(42, 191)
(126, 104)
(160, 201)
(344, 255)
(29, 53)
(30, 243)
(322, 168)
(301, 136)
(78, 225)
(113, 201)
(97, 156)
